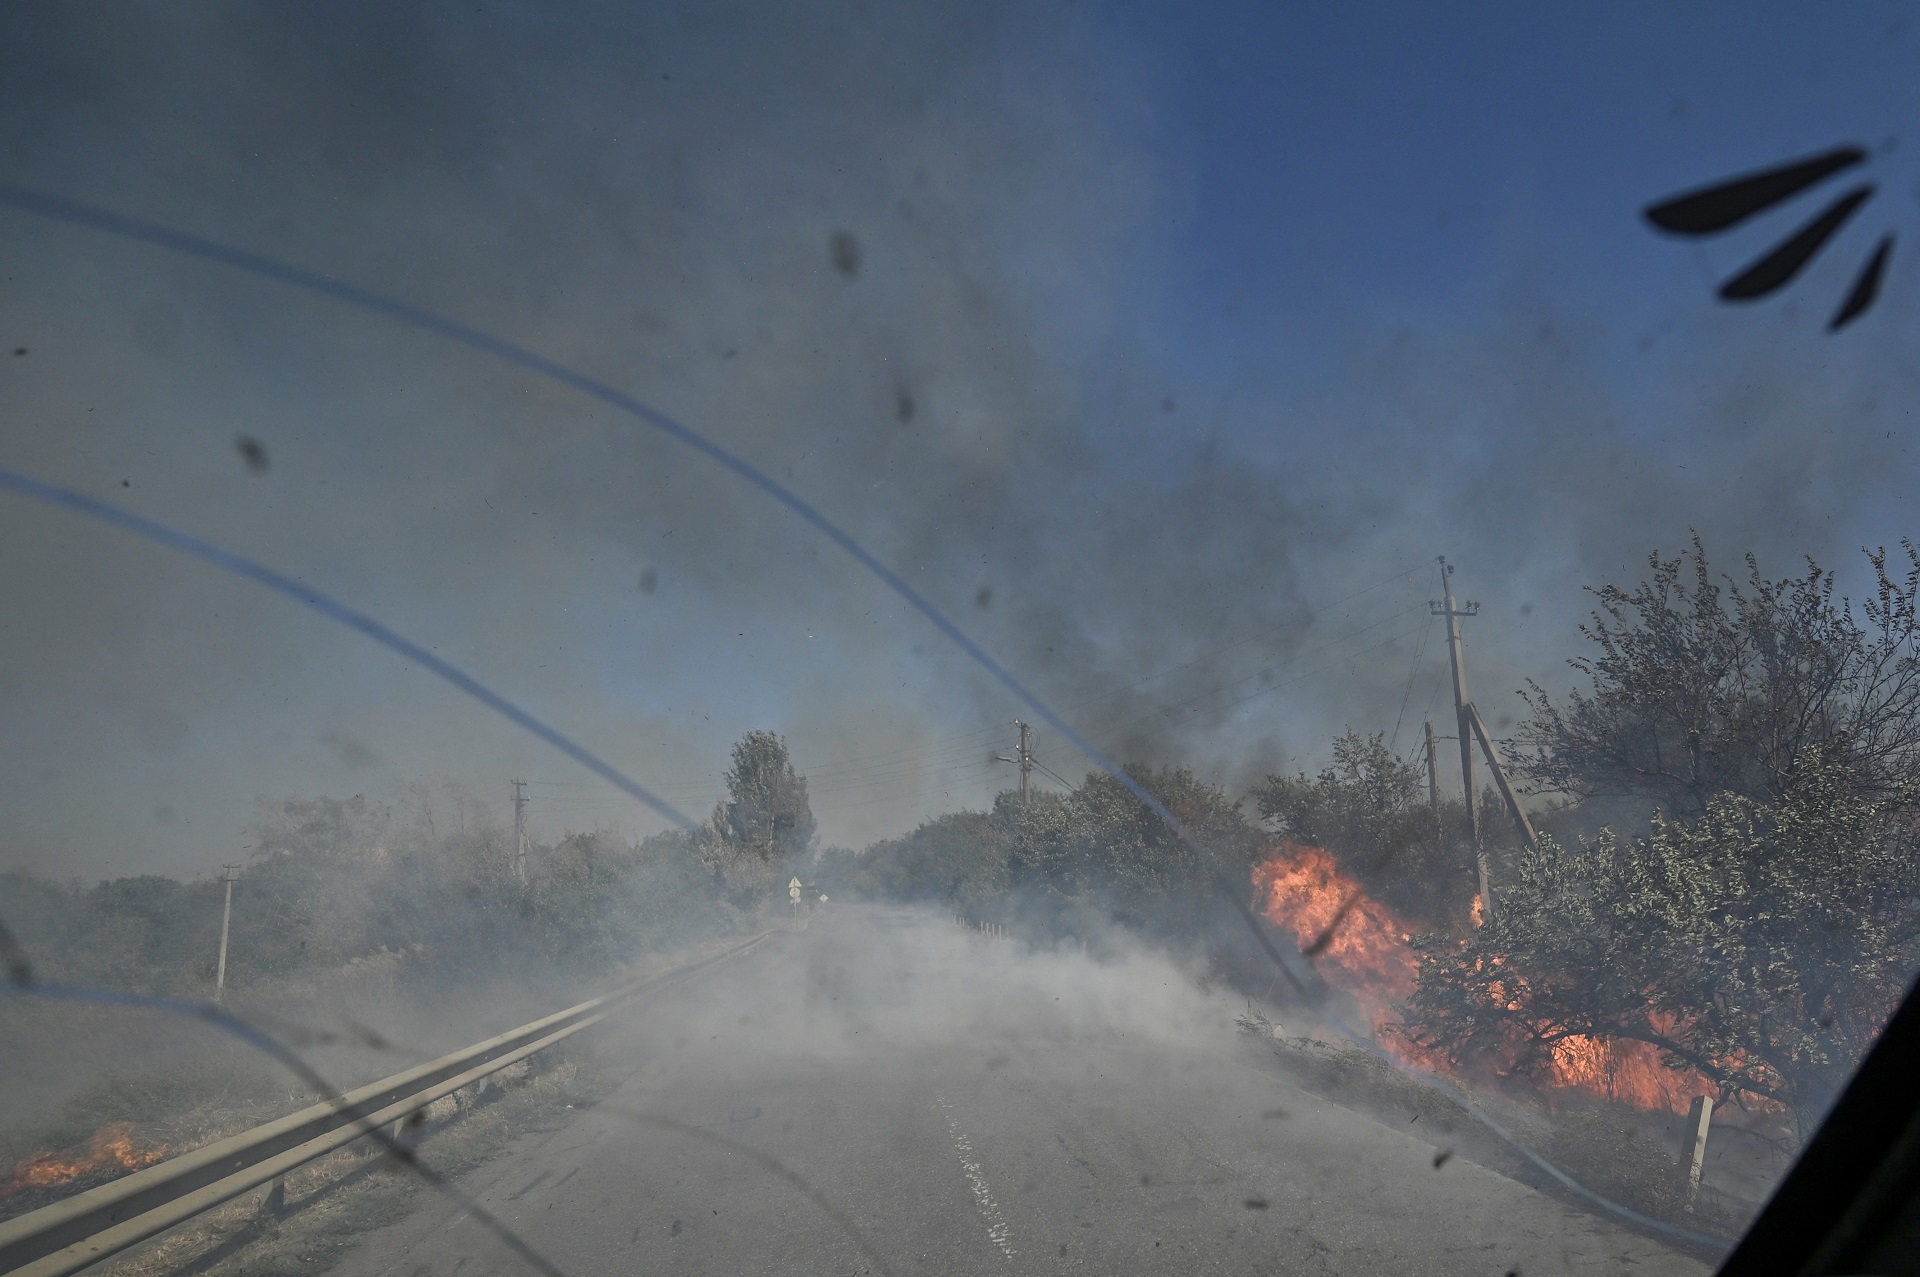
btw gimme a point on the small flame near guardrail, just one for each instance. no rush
(112, 1152)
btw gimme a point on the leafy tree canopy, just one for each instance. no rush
(1701, 687)
(1099, 846)
(1118, 843)
(766, 813)
(1762, 944)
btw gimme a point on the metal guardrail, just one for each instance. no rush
(88, 1227)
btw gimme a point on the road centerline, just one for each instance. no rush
(997, 1231)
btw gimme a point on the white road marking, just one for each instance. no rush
(997, 1230)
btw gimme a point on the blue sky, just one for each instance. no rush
(1390, 156)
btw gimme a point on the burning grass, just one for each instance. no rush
(111, 1153)
(122, 1124)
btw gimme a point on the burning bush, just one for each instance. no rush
(1362, 947)
(1369, 953)
(1372, 809)
(1754, 939)
(1754, 952)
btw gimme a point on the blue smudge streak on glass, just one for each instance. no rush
(333, 609)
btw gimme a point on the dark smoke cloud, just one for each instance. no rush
(899, 258)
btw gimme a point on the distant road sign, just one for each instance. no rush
(793, 890)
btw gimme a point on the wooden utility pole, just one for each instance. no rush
(1461, 706)
(227, 874)
(1024, 757)
(1472, 728)
(519, 829)
(1433, 774)
(1460, 699)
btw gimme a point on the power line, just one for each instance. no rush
(960, 774)
(908, 770)
(906, 795)
(921, 776)
(955, 751)
(903, 795)
(960, 751)
(1167, 710)
(1056, 775)
(913, 764)
(1268, 691)
(856, 763)
(1110, 695)
(1394, 740)
(938, 744)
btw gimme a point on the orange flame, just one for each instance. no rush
(1365, 952)
(113, 1148)
(1628, 1071)
(1364, 944)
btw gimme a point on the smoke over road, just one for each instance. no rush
(879, 1090)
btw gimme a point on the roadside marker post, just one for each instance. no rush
(1694, 1152)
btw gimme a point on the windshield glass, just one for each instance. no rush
(1132, 637)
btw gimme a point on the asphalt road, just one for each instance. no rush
(884, 1092)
